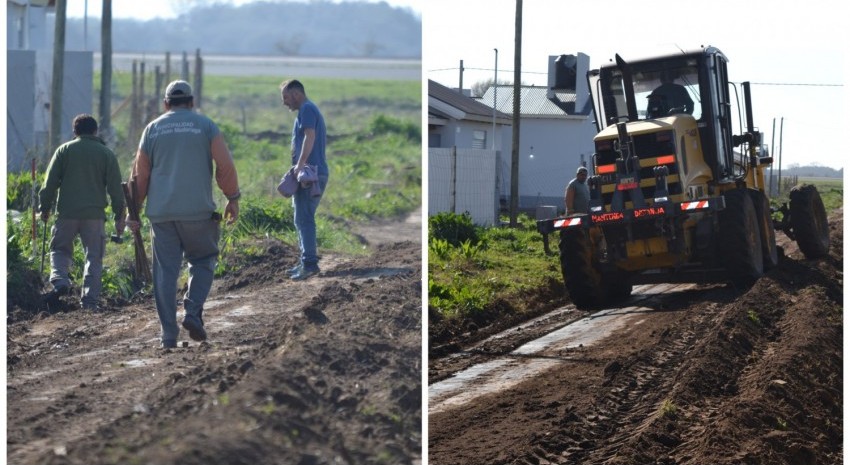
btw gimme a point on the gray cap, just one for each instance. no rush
(580, 169)
(178, 89)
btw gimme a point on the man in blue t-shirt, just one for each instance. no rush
(308, 150)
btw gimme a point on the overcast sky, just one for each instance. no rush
(792, 52)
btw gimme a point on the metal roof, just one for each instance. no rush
(473, 109)
(533, 101)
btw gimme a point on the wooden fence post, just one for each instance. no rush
(143, 107)
(197, 90)
(167, 66)
(184, 73)
(134, 103)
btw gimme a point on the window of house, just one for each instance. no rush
(479, 139)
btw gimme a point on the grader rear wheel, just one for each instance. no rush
(808, 221)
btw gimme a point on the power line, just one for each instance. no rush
(797, 84)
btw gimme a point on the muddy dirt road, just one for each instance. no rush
(323, 371)
(706, 375)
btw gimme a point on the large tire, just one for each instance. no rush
(617, 287)
(740, 240)
(769, 252)
(808, 221)
(582, 280)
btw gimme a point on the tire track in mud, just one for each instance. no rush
(632, 389)
(636, 390)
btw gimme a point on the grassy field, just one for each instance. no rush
(488, 272)
(374, 155)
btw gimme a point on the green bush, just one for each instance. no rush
(453, 228)
(19, 192)
(439, 248)
(262, 216)
(382, 124)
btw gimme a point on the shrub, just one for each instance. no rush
(19, 193)
(382, 124)
(453, 228)
(440, 248)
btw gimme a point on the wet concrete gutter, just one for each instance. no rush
(539, 355)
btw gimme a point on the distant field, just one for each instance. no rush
(231, 65)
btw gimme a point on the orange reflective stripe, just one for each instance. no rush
(666, 160)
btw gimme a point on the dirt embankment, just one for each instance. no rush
(323, 371)
(717, 375)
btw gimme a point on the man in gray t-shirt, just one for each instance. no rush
(180, 154)
(577, 195)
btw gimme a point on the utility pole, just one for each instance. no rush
(781, 128)
(772, 191)
(515, 144)
(86, 25)
(106, 69)
(495, 90)
(55, 130)
(460, 83)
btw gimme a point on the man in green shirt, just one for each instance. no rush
(83, 171)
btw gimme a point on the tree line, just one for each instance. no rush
(310, 29)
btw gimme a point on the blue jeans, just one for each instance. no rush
(197, 241)
(305, 206)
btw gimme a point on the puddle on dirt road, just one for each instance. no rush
(531, 359)
(244, 310)
(221, 301)
(138, 363)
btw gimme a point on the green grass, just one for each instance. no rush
(373, 152)
(467, 279)
(831, 192)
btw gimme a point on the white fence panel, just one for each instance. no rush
(464, 180)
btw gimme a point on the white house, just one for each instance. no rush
(552, 144)
(29, 70)
(463, 155)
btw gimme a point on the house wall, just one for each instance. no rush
(460, 134)
(559, 146)
(28, 84)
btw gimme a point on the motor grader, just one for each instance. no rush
(677, 184)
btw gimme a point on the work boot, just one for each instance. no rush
(52, 297)
(305, 273)
(169, 344)
(92, 307)
(294, 270)
(195, 327)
